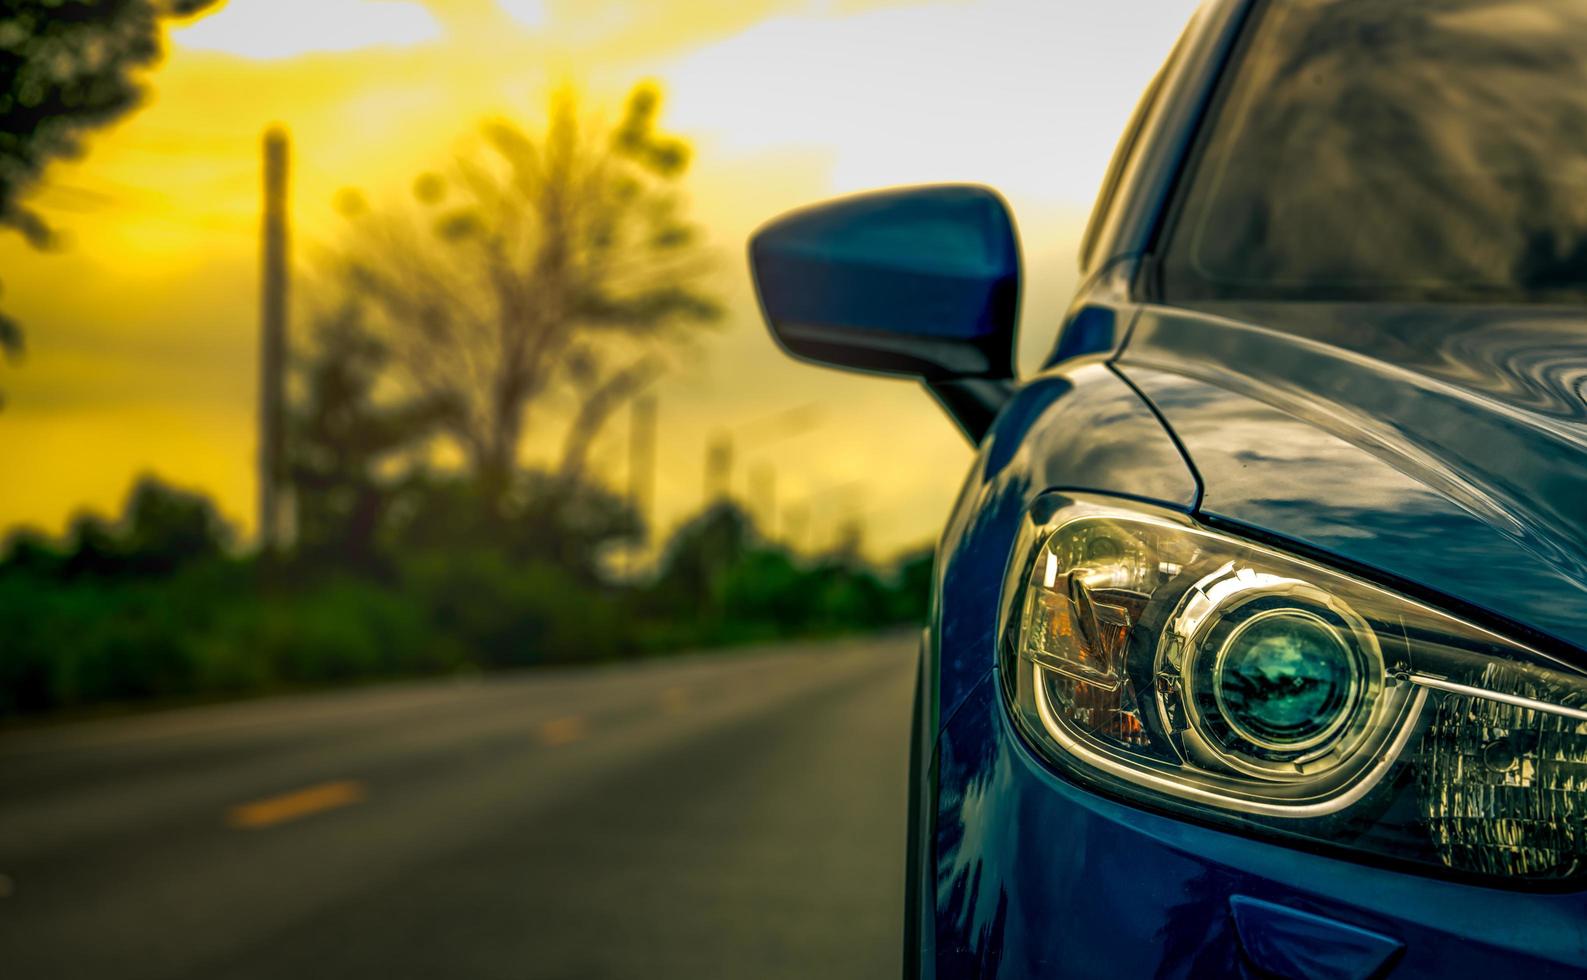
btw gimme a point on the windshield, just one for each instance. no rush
(1372, 150)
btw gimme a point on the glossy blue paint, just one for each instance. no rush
(922, 281)
(1445, 448)
(1287, 942)
(1100, 317)
(1092, 330)
(1036, 876)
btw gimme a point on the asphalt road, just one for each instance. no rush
(735, 815)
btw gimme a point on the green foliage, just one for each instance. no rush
(720, 583)
(699, 556)
(506, 614)
(341, 438)
(29, 551)
(912, 586)
(66, 67)
(335, 629)
(149, 605)
(545, 518)
(165, 528)
(161, 529)
(766, 586)
(214, 628)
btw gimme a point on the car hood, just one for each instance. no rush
(1446, 447)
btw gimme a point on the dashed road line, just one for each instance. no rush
(295, 805)
(560, 731)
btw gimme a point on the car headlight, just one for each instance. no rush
(1165, 662)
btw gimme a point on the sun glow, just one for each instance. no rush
(285, 28)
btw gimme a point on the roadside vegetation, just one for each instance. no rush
(154, 605)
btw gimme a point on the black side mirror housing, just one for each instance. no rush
(921, 282)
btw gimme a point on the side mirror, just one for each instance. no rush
(922, 282)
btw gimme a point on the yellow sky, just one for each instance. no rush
(142, 331)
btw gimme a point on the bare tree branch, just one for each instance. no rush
(604, 398)
(530, 266)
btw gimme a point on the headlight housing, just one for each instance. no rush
(1168, 663)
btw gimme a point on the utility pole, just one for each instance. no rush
(759, 435)
(804, 520)
(763, 497)
(642, 460)
(719, 469)
(796, 523)
(273, 341)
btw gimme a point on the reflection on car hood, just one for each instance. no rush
(1445, 446)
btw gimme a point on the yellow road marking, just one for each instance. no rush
(675, 700)
(292, 806)
(561, 731)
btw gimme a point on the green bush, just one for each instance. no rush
(84, 642)
(514, 615)
(148, 606)
(336, 630)
(213, 629)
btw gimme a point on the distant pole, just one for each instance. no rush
(763, 497)
(273, 339)
(642, 458)
(796, 524)
(718, 468)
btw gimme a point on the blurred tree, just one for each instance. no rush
(29, 551)
(766, 585)
(342, 437)
(66, 66)
(571, 523)
(161, 530)
(912, 591)
(92, 548)
(555, 266)
(550, 519)
(164, 528)
(848, 595)
(699, 555)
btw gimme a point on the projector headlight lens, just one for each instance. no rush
(1285, 679)
(1168, 663)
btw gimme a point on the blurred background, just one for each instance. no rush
(357, 340)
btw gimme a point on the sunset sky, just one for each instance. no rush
(142, 330)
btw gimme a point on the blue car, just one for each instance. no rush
(1259, 626)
